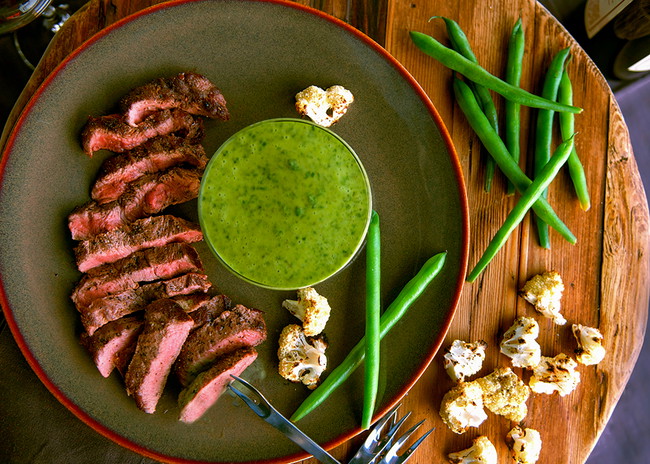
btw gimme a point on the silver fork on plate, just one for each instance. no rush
(380, 447)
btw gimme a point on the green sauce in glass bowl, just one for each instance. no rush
(285, 203)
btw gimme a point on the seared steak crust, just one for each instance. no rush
(109, 308)
(208, 386)
(166, 327)
(113, 133)
(144, 197)
(143, 266)
(144, 233)
(154, 155)
(211, 310)
(112, 345)
(236, 328)
(190, 92)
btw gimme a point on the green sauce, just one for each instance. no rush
(284, 203)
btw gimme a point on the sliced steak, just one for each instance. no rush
(144, 233)
(208, 386)
(166, 327)
(154, 155)
(239, 327)
(211, 310)
(188, 91)
(143, 266)
(113, 133)
(144, 197)
(109, 308)
(112, 345)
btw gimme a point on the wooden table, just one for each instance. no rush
(605, 274)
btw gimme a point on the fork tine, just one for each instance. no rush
(392, 457)
(368, 450)
(261, 407)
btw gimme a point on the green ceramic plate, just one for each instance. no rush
(260, 53)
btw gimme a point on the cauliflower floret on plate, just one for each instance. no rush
(312, 309)
(463, 359)
(590, 344)
(482, 451)
(544, 291)
(520, 343)
(302, 358)
(556, 374)
(505, 394)
(525, 445)
(324, 107)
(462, 407)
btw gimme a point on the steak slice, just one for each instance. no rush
(239, 327)
(211, 310)
(112, 345)
(144, 197)
(143, 266)
(191, 302)
(113, 133)
(208, 386)
(154, 155)
(166, 327)
(111, 307)
(188, 91)
(143, 233)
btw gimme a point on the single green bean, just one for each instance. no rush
(498, 150)
(576, 170)
(527, 199)
(460, 43)
(544, 132)
(455, 61)
(512, 112)
(411, 292)
(373, 315)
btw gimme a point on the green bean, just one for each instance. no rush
(411, 292)
(527, 199)
(544, 131)
(460, 43)
(514, 67)
(576, 170)
(373, 314)
(453, 60)
(498, 150)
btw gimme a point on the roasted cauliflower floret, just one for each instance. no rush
(520, 343)
(556, 374)
(462, 407)
(544, 291)
(302, 358)
(590, 344)
(324, 107)
(525, 445)
(312, 309)
(482, 451)
(505, 394)
(463, 359)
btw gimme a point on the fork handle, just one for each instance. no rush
(299, 438)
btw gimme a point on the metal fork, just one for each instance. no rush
(379, 447)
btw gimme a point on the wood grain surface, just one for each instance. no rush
(606, 273)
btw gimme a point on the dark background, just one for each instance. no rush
(625, 438)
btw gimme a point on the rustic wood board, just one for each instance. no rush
(606, 273)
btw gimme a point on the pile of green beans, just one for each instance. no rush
(373, 321)
(499, 152)
(397, 309)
